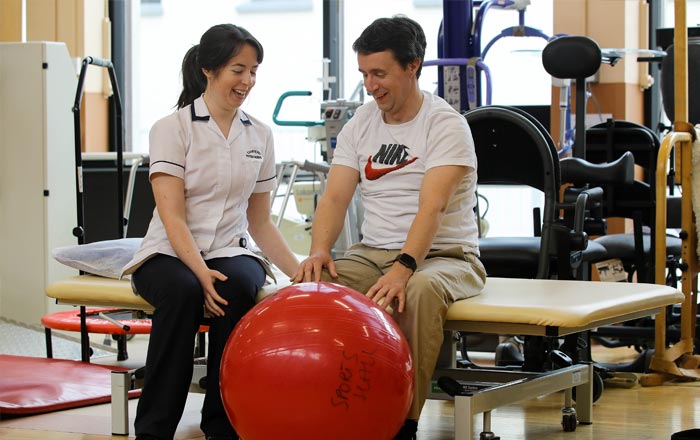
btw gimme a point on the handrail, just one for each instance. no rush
(78, 231)
(278, 107)
(668, 143)
(661, 361)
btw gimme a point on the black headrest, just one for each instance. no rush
(571, 57)
(667, 83)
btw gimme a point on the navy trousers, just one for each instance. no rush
(176, 294)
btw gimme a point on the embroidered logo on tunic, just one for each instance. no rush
(391, 154)
(253, 154)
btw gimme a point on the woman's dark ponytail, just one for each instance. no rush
(193, 80)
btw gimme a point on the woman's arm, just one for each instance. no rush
(169, 194)
(267, 236)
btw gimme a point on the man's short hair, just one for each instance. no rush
(399, 34)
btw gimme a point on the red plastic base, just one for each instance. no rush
(70, 321)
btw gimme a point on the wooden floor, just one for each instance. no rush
(621, 413)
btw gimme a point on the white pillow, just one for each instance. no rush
(104, 258)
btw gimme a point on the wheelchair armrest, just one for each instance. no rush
(580, 172)
(573, 230)
(584, 209)
(586, 199)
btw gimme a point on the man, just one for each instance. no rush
(413, 157)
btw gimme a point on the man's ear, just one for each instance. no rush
(414, 65)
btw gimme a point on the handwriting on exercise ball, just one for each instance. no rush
(354, 378)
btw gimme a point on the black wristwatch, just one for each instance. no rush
(407, 261)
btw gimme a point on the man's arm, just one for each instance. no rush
(328, 222)
(439, 185)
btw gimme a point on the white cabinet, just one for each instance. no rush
(38, 83)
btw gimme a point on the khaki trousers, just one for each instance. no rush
(444, 276)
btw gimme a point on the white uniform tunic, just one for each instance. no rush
(219, 174)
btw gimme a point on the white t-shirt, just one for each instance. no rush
(220, 175)
(392, 160)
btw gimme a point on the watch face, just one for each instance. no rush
(407, 261)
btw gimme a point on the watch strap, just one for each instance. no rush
(407, 261)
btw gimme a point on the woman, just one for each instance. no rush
(212, 169)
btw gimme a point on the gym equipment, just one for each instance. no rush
(30, 385)
(552, 308)
(605, 142)
(577, 58)
(559, 248)
(678, 360)
(122, 220)
(334, 115)
(608, 141)
(506, 305)
(347, 369)
(667, 80)
(460, 52)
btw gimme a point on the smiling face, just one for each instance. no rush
(229, 86)
(394, 88)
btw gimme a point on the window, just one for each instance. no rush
(515, 63)
(275, 6)
(151, 7)
(293, 61)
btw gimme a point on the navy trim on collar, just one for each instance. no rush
(194, 115)
(244, 119)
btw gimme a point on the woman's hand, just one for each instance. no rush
(211, 297)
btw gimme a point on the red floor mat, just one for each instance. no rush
(30, 385)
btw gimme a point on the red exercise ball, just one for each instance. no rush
(317, 361)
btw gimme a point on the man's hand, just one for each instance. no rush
(391, 287)
(310, 269)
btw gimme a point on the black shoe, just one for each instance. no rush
(690, 434)
(408, 430)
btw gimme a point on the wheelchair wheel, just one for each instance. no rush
(598, 387)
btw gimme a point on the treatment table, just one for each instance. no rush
(506, 306)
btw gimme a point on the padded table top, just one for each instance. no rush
(97, 291)
(540, 303)
(93, 290)
(558, 303)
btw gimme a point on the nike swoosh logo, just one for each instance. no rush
(376, 173)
